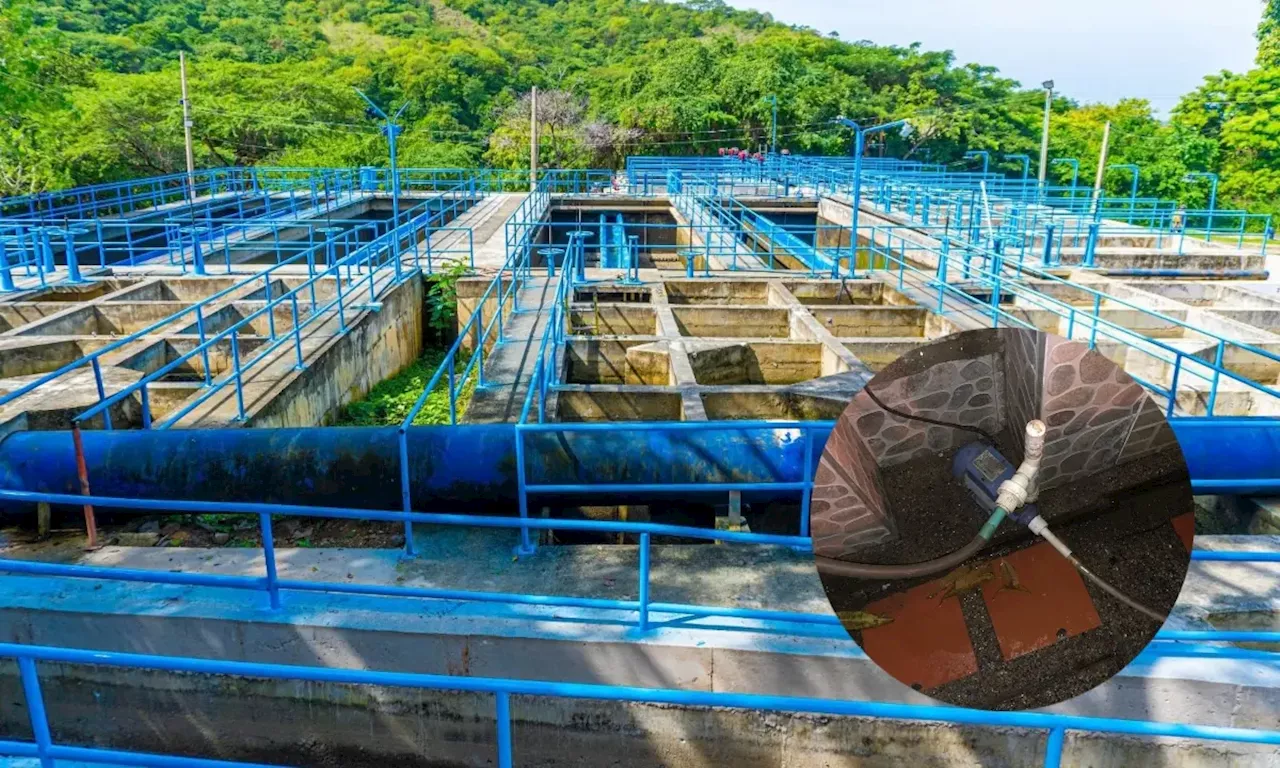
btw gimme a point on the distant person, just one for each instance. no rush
(1179, 220)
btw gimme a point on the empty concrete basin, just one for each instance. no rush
(26, 358)
(604, 361)
(871, 321)
(612, 320)
(755, 362)
(736, 322)
(845, 292)
(717, 292)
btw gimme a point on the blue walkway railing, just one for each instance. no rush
(44, 748)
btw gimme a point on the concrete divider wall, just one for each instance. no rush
(379, 344)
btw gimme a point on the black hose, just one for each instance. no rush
(833, 567)
(911, 416)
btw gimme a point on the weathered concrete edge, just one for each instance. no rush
(487, 640)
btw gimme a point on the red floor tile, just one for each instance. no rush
(1051, 603)
(927, 644)
(1185, 525)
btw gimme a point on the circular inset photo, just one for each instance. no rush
(1002, 519)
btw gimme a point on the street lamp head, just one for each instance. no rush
(906, 130)
(1048, 85)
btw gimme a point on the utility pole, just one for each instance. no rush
(773, 127)
(533, 139)
(1102, 164)
(186, 125)
(1044, 130)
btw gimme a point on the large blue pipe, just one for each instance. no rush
(472, 468)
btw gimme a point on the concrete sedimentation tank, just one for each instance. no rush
(473, 468)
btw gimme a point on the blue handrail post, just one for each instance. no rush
(101, 242)
(997, 247)
(297, 331)
(1091, 245)
(1093, 329)
(6, 274)
(35, 710)
(1053, 747)
(235, 361)
(204, 350)
(643, 596)
(807, 493)
(1047, 258)
(269, 554)
(526, 546)
(502, 704)
(943, 255)
(271, 310)
(197, 256)
(102, 391)
(410, 550)
(453, 395)
(1217, 373)
(1173, 385)
(146, 406)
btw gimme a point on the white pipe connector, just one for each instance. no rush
(1022, 487)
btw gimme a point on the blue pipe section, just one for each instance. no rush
(473, 468)
(469, 467)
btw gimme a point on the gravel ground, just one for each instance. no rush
(1117, 523)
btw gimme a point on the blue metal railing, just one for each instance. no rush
(961, 270)
(643, 608)
(44, 748)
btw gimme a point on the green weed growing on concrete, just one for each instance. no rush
(390, 400)
(442, 300)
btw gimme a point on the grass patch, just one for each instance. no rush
(389, 402)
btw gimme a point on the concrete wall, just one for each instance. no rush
(379, 345)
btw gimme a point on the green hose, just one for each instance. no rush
(948, 561)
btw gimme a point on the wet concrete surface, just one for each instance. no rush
(1117, 522)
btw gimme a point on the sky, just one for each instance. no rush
(1093, 50)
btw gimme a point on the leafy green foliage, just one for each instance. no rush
(389, 401)
(89, 92)
(442, 299)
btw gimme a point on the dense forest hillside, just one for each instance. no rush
(89, 91)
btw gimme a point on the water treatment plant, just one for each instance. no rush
(598, 551)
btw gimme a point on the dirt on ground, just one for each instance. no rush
(1117, 521)
(205, 531)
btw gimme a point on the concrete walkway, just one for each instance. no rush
(509, 366)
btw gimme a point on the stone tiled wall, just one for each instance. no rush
(1089, 405)
(848, 509)
(1097, 417)
(964, 391)
(1023, 363)
(1150, 432)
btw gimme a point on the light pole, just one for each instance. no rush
(1044, 129)
(391, 130)
(1213, 198)
(1133, 187)
(1075, 172)
(859, 145)
(984, 154)
(773, 126)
